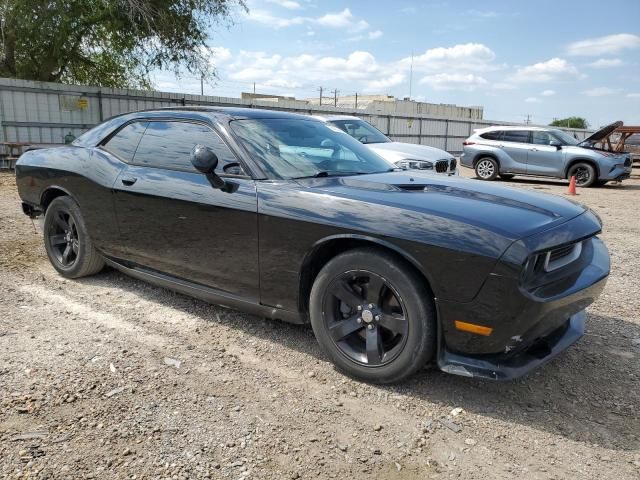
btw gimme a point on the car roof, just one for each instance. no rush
(104, 129)
(329, 118)
(512, 127)
(234, 112)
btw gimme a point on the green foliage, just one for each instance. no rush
(112, 43)
(571, 122)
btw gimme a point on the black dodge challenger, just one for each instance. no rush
(284, 216)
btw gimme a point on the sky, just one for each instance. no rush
(538, 59)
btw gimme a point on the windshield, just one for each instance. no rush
(361, 131)
(296, 148)
(565, 138)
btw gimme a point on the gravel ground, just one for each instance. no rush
(109, 377)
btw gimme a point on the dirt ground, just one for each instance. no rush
(109, 377)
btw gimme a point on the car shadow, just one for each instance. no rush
(589, 394)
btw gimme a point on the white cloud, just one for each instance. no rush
(482, 13)
(555, 68)
(474, 57)
(548, 93)
(633, 95)
(266, 18)
(604, 45)
(531, 100)
(343, 19)
(392, 81)
(453, 81)
(606, 63)
(375, 34)
(600, 92)
(220, 54)
(503, 86)
(288, 4)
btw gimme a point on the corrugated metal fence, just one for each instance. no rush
(41, 113)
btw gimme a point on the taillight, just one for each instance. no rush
(468, 142)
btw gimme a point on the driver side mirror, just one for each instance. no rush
(555, 143)
(205, 161)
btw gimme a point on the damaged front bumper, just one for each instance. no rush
(508, 367)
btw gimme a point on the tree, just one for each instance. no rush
(571, 122)
(111, 43)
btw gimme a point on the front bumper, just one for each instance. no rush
(503, 367)
(522, 312)
(617, 173)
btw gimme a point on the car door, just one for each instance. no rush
(173, 221)
(515, 144)
(544, 158)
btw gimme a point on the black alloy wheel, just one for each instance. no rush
(365, 317)
(69, 247)
(374, 315)
(585, 174)
(62, 236)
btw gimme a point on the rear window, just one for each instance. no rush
(495, 135)
(520, 136)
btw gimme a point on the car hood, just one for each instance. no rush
(395, 151)
(600, 134)
(509, 212)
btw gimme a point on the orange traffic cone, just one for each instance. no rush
(572, 186)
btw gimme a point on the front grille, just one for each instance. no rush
(560, 252)
(442, 166)
(452, 165)
(562, 256)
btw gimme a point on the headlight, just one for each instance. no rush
(412, 164)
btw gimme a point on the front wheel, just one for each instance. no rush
(585, 174)
(373, 315)
(487, 168)
(68, 245)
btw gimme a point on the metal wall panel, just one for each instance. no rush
(40, 112)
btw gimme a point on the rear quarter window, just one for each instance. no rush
(519, 136)
(492, 135)
(124, 143)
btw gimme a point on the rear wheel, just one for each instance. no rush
(373, 315)
(68, 246)
(585, 174)
(486, 168)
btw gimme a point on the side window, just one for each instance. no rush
(169, 145)
(124, 143)
(495, 135)
(520, 136)
(541, 138)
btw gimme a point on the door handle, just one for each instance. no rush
(501, 146)
(129, 180)
(534, 149)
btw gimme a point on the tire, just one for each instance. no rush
(392, 334)
(487, 168)
(584, 172)
(68, 245)
(506, 176)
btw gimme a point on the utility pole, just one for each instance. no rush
(202, 85)
(320, 90)
(254, 89)
(356, 101)
(528, 118)
(411, 76)
(335, 97)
